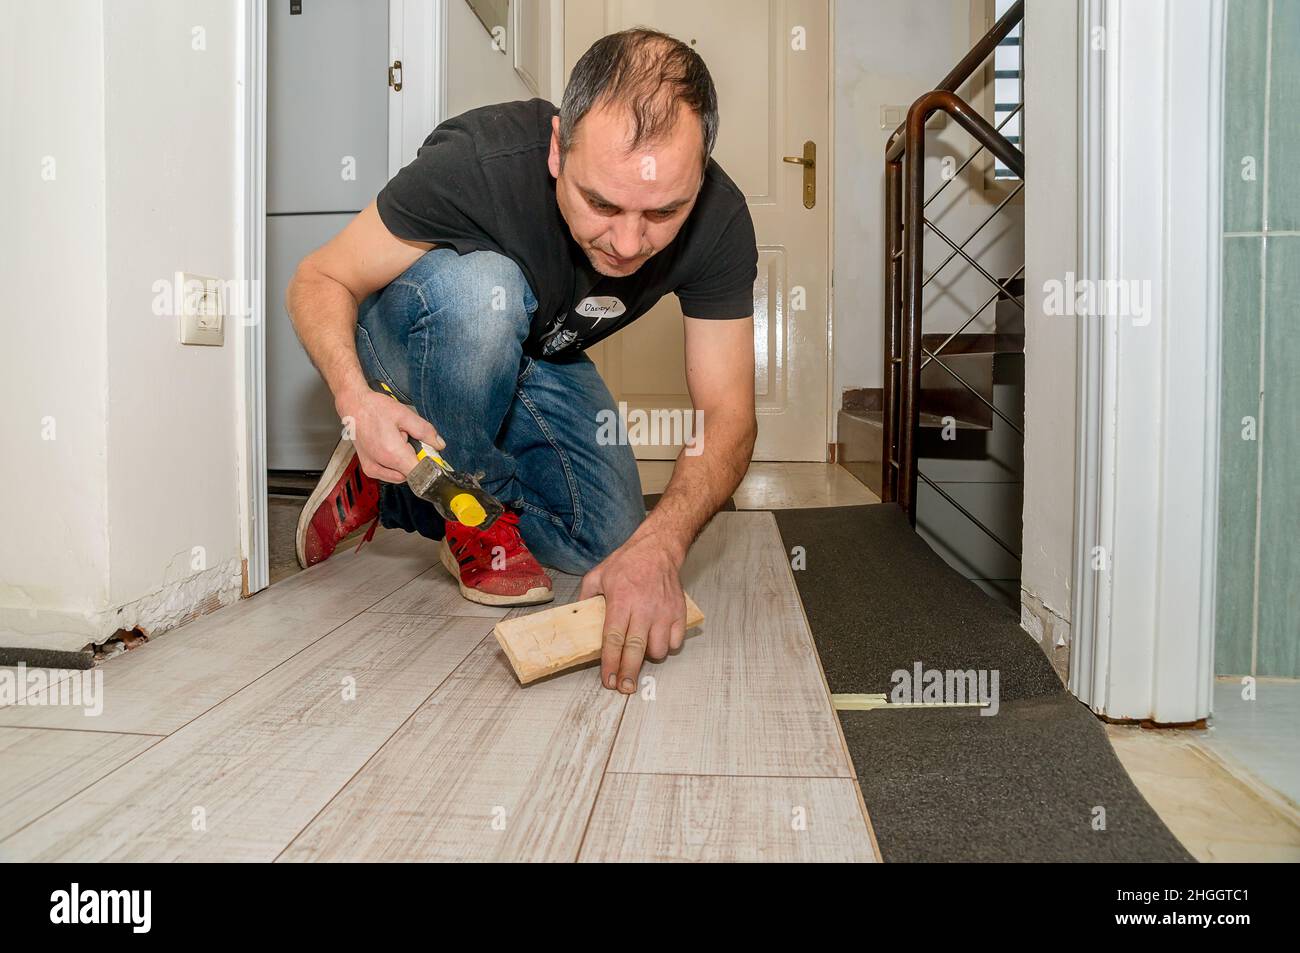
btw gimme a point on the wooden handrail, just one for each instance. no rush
(904, 256)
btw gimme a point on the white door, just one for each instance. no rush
(771, 64)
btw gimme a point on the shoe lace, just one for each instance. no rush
(370, 534)
(505, 533)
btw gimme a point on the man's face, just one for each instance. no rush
(623, 207)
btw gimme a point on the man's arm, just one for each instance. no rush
(645, 611)
(322, 300)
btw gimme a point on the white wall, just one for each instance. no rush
(141, 124)
(54, 564)
(1051, 132)
(171, 207)
(890, 53)
(476, 73)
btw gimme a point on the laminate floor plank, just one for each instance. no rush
(485, 770)
(435, 593)
(43, 767)
(159, 687)
(238, 783)
(746, 696)
(664, 817)
(21, 680)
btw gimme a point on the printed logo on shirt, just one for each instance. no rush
(600, 308)
(587, 315)
(558, 342)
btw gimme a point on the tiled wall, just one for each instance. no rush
(1258, 624)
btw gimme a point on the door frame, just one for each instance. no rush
(1148, 425)
(832, 398)
(418, 35)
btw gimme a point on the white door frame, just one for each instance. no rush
(250, 226)
(1150, 190)
(417, 36)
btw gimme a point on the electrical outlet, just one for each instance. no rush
(202, 311)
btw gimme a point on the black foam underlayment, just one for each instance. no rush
(951, 784)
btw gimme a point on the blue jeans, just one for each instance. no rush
(448, 336)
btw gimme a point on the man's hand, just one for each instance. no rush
(645, 610)
(379, 429)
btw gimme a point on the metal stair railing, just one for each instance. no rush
(905, 278)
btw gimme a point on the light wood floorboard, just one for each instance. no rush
(159, 687)
(664, 817)
(239, 782)
(43, 767)
(435, 593)
(23, 678)
(746, 696)
(485, 770)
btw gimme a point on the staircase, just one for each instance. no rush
(944, 437)
(971, 453)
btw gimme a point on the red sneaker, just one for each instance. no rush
(344, 500)
(517, 579)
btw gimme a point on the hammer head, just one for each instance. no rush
(421, 479)
(456, 496)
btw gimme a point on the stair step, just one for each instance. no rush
(860, 435)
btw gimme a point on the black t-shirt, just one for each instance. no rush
(481, 182)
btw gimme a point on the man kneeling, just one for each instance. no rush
(520, 236)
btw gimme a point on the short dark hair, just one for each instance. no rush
(647, 72)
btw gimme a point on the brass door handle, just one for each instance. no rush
(809, 162)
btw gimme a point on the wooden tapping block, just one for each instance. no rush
(554, 639)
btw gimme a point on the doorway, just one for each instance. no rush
(327, 146)
(326, 158)
(337, 97)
